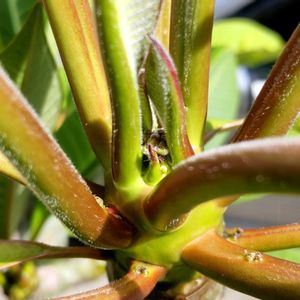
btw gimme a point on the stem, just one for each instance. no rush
(278, 103)
(190, 44)
(244, 270)
(225, 127)
(122, 63)
(50, 174)
(136, 285)
(17, 252)
(73, 21)
(247, 167)
(76, 252)
(267, 239)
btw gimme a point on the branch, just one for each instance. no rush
(190, 44)
(224, 127)
(50, 174)
(14, 252)
(262, 166)
(75, 32)
(136, 285)
(278, 103)
(244, 270)
(266, 239)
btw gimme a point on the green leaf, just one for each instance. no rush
(223, 91)
(190, 36)
(252, 42)
(123, 29)
(15, 252)
(164, 89)
(289, 254)
(29, 62)
(12, 16)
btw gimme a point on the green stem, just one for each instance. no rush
(278, 103)
(247, 167)
(244, 270)
(75, 33)
(190, 43)
(268, 238)
(122, 67)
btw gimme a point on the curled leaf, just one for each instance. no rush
(164, 89)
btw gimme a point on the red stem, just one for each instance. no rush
(252, 166)
(244, 270)
(278, 103)
(135, 285)
(267, 239)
